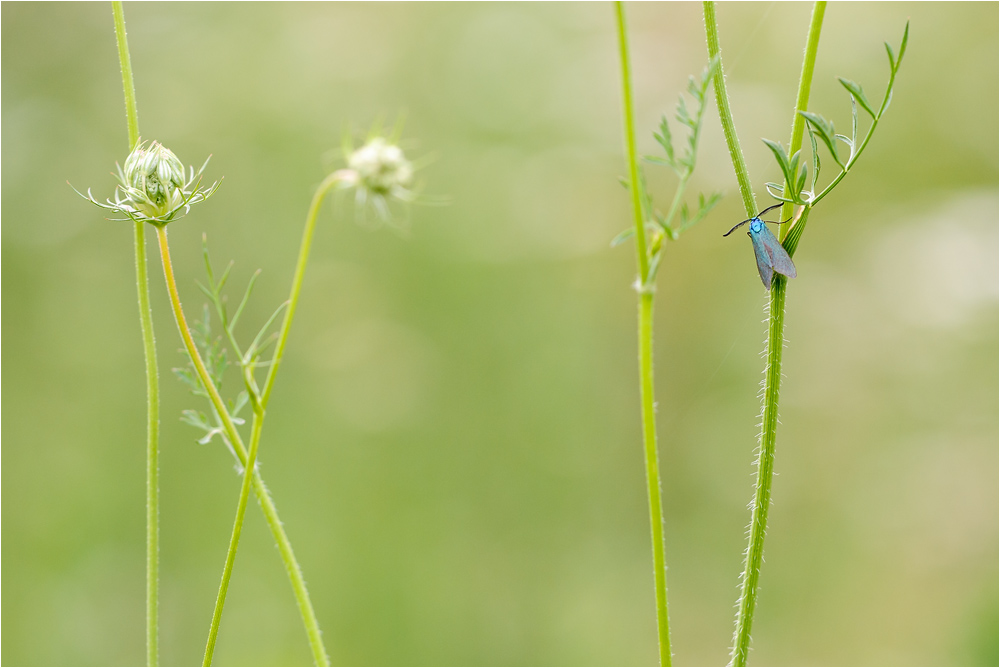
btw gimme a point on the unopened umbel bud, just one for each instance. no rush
(154, 188)
(381, 167)
(155, 178)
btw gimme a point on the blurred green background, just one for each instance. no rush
(454, 442)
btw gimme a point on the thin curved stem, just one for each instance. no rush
(192, 349)
(260, 404)
(263, 497)
(726, 113)
(856, 151)
(284, 546)
(234, 540)
(850, 163)
(328, 184)
(645, 353)
(293, 570)
(152, 373)
(675, 205)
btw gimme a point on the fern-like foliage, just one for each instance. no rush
(680, 216)
(215, 355)
(821, 131)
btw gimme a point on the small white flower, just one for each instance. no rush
(380, 173)
(381, 167)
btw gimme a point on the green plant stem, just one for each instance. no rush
(298, 582)
(805, 78)
(776, 325)
(263, 497)
(192, 349)
(850, 163)
(645, 353)
(628, 112)
(152, 373)
(260, 404)
(748, 594)
(291, 565)
(328, 184)
(152, 451)
(234, 541)
(653, 474)
(765, 474)
(131, 108)
(294, 572)
(726, 114)
(802, 99)
(772, 384)
(675, 204)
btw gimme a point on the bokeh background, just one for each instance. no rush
(454, 440)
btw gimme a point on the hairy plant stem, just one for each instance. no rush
(645, 352)
(152, 373)
(653, 474)
(260, 490)
(802, 104)
(726, 114)
(192, 349)
(775, 332)
(235, 539)
(328, 184)
(260, 406)
(765, 474)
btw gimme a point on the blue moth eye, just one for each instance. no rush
(771, 255)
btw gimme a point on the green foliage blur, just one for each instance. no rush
(454, 440)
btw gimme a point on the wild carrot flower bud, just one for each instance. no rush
(379, 173)
(381, 167)
(154, 186)
(154, 179)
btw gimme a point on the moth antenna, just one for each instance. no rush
(769, 209)
(738, 226)
(795, 216)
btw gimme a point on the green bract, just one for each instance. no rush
(154, 186)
